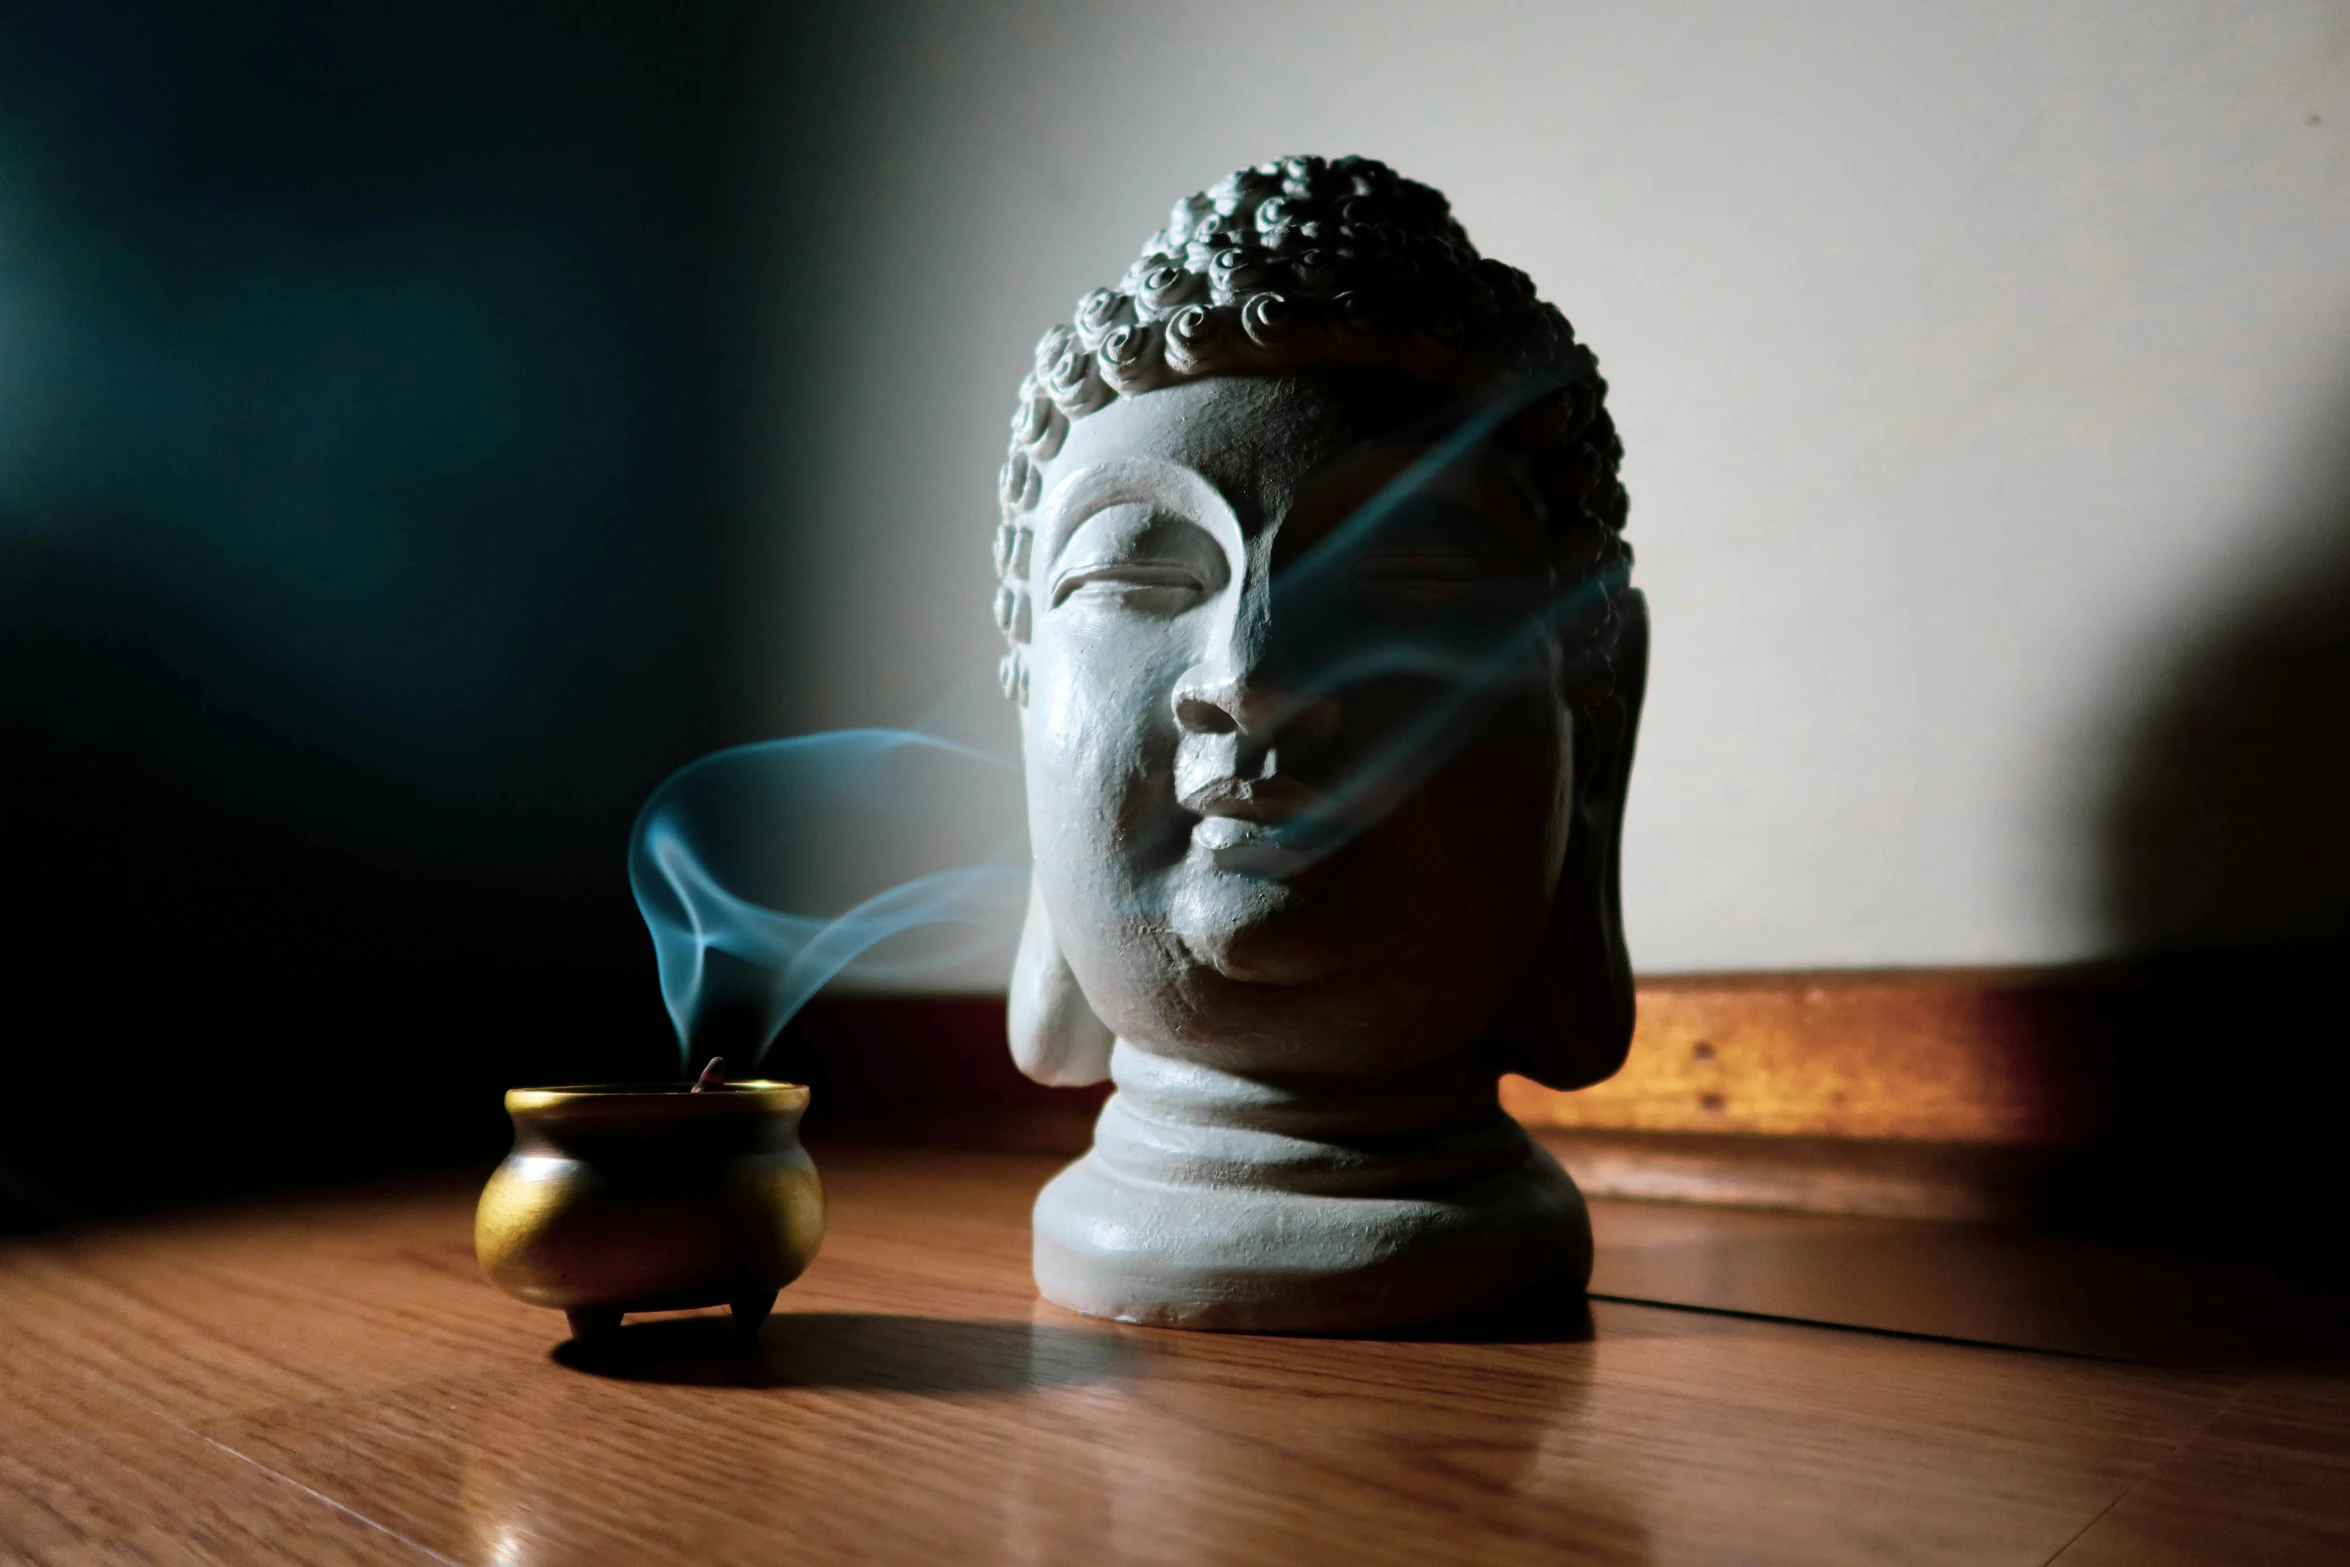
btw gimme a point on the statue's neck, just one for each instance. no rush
(1418, 1098)
(1181, 1123)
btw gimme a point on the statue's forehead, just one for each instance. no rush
(1255, 438)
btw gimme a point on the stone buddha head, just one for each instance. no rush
(1327, 660)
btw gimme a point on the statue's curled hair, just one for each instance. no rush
(1310, 263)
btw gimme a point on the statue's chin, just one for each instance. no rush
(1254, 930)
(1271, 949)
(1258, 962)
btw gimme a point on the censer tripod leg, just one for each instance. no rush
(749, 1313)
(593, 1322)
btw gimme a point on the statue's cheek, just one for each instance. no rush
(1107, 680)
(1101, 740)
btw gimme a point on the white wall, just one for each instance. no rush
(1975, 362)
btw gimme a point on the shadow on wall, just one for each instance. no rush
(2226, 868)
(366, 492)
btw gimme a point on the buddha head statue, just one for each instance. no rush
(1328, 665)
(1313, 576)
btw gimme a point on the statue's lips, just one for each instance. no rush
(1253, 825)
(1266, 799)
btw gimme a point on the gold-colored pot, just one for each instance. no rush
(620, 1199)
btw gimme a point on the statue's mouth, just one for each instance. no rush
(1273, 799)
(1248, 848)
(1273, 827)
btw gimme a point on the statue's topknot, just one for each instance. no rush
(1305, 263)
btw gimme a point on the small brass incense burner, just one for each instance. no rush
(620, 1199)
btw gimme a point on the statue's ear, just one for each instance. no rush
(1056, 1038)
(1568, 1022)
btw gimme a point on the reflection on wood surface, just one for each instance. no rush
(333, 1378)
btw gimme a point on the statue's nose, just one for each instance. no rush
(1257, 711)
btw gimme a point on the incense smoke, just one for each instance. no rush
(768, 870)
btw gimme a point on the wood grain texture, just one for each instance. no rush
(2272, 1467)
(1892, 1178)
(1944, 1055)
(1980, 1283)
(330, 1381)
(90, 1476)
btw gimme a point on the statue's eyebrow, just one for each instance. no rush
(1121, 481)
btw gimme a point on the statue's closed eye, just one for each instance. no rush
(1145, 586)
(1432, 577)
(1140, 559)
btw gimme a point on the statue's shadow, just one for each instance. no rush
(1548, 1318)
(867, 1351)
(2224, 869)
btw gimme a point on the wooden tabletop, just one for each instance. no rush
(329, 1380)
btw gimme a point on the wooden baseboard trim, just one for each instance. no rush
(2004, 1057)
(2013, 1057)
(1879, 1178)
(2190, 1098)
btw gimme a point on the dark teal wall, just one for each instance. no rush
(372, 447)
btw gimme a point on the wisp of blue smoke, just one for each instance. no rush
(766, 871)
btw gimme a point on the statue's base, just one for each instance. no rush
(1361, 1206)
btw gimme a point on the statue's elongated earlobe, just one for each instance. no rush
(1568, 1023)
(1056, 1039)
